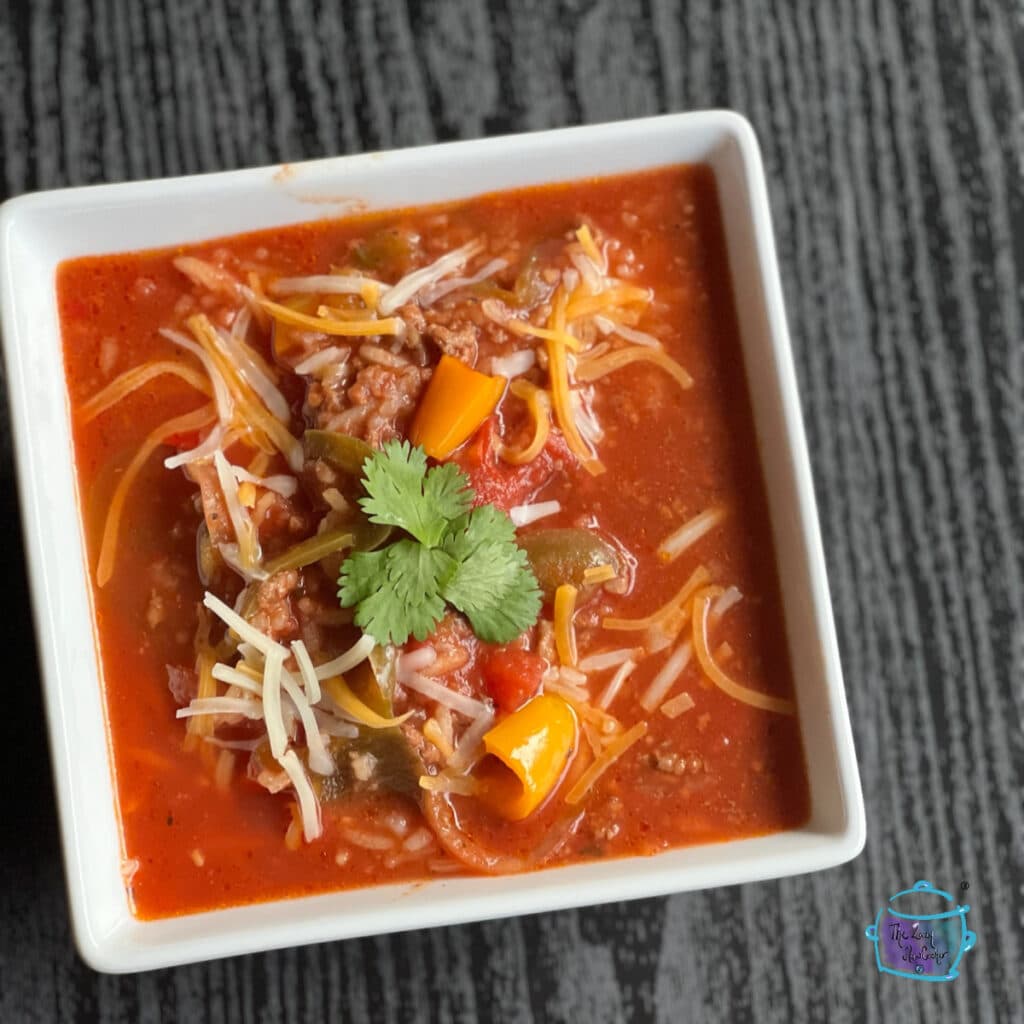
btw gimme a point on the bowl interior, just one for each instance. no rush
(38, 232)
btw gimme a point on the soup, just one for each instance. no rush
(429, 542)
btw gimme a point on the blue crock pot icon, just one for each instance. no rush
(921, 934)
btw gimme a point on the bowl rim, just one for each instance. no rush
(134, 945)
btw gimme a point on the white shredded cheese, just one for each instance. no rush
(459, 702)
(355, 655)
(416, 661)
(280, 483)
(515, 364)
(689, 533)
(320, 761)
(667, 675)
(202, 450)
(615, 684)
(607, 326)
(723, 603)
(222, 706)
(248, 542)
(523, 515)
(231, 676)
(246, 366)
(322, 284)
(438, 291)
(607, 659)
(276, 732)
(318, 360)
(309, 807)
(408, 286)
(221, 394)
(307, 671)
(245, 632)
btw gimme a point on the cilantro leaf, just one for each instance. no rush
(397, 590)
(491, 584)
(402, 492)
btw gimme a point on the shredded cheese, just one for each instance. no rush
(347, 661)
(405, 289)
(523, 515)
(608, 756)
(245, 632)
(331, 325)
(322, 284)
(673, 668)
(309, 807)
(689, 533)
(319, 360)
(678, 705)
(701, 604)
(249, 551)
(138, 377)
(349, 704)
(222, 706)
(307, 671)
(468, 706)
(619, 295)
(276, 732)
(444, 783)
(608, 659)
(615, 684)
(592, 369)
(699, 577)
(432, 732)
(565, 631)
(539, 404)
(598, 574)
(589, 246)
(320, 761)
(108, 545)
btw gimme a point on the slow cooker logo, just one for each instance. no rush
(921, 934)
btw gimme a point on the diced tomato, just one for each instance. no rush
(512, 676)
(500, 483)
(185, 440)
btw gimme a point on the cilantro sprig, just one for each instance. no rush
(454, 555)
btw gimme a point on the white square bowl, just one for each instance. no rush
(38, 231)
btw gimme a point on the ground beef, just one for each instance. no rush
(275, 612)
(666, 760)
(182, 683)
(376, 407)
(459, 341)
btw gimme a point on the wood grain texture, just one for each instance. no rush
(893, 136)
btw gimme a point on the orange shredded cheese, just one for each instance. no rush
(135, 378)
(539, 404)
(565, 631)
(195, 420)
(701, 606)
(621, 295)
(589, 246)
(599, 574)
(608, 756)
(591, 369)
(699, 577)
(561, 399)
(328, 325)
(263, 426)
(528, 330)
(432, 732)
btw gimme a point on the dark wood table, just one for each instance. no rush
(893, 136)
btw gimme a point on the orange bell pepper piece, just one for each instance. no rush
(528, 754)
(456, 403)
